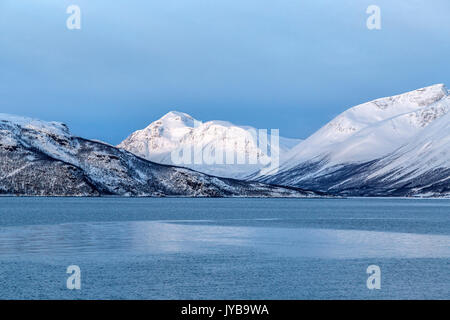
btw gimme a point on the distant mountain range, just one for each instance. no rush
(39, 158)
(178, 131)
(394, 146)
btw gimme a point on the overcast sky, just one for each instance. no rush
(287, 64)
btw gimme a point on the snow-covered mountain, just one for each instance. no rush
(178, 131)
(43, 158)
(395, 146)
(390, 146)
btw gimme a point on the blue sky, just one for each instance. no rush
(285, 64)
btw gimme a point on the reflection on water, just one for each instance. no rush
(155, 237)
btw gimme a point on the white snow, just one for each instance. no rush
(112, 170)
(51, 138)
(373, 130)
(428, 150)
(39, 125)
(177, 130)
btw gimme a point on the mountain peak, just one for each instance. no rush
(26, 122)
(385, 108)
(177, 116)
(440, 86)
(179, 131)
(437, 91)
(417, 98)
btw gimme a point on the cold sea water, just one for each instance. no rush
(183, 248)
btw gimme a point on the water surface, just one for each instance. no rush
(178, 248)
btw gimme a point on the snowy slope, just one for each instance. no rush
(428, 150)
(423, 164)
(177, 131)
(349, 150)
(373, 129)
(43, 158)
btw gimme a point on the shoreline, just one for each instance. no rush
(225, 197)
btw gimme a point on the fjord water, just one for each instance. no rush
(181, 248)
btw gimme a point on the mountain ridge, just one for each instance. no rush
(347, 155)
(392, 146)
(39, 158)
(177, 130)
